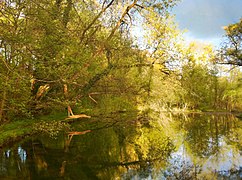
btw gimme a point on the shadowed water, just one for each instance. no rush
(158, 146)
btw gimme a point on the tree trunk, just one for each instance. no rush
(4, 97)
(69, 110)
(95, 79)
(3, 104)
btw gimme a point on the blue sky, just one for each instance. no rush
(204, 19)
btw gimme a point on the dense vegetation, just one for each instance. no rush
(85, 54)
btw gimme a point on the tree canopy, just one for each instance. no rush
(68, 53)
(231, 52)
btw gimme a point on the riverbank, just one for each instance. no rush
(138, 142)
(16, 130)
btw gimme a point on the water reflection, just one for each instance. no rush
(22, 154)
(210, 147)
(159, 147)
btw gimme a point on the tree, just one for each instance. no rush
(230, 93)
(231, 52)
(198, 77)
(48, 47)
(15, 74)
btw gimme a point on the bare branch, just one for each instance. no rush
(89, 95)
(94, 20)
(139, 6)
(121, 19)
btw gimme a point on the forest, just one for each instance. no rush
(61, 55)
(110, 89)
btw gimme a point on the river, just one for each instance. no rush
(122, 146)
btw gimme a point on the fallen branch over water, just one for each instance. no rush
(71, 134)
(78, 116)
(77, 133)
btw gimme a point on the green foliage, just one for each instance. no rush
(230, 98)
(198, 85)
(52, 128)
(14, 130)
(231, 51)
(199, 79)
(153, 143)
(88, 48)
(52, 43)
(22, 127)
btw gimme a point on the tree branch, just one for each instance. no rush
(95, 19)
(121, 19)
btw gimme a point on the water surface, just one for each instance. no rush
(157, 146)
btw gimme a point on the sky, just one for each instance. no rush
(204, 19)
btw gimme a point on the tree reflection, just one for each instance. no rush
(155, 146)
(209, 144)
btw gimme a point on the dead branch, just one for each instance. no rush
(95, 19)
(121, 19)
(78, 116)
(89, 95)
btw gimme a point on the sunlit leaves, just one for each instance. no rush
(52, 128)
(231, 51)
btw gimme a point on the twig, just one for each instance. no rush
(89, 95)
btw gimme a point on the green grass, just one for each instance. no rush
(17, 129)
(14, 130)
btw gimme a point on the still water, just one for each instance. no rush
(158, 146)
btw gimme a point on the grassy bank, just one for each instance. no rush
(18, 129)
(15, 130)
